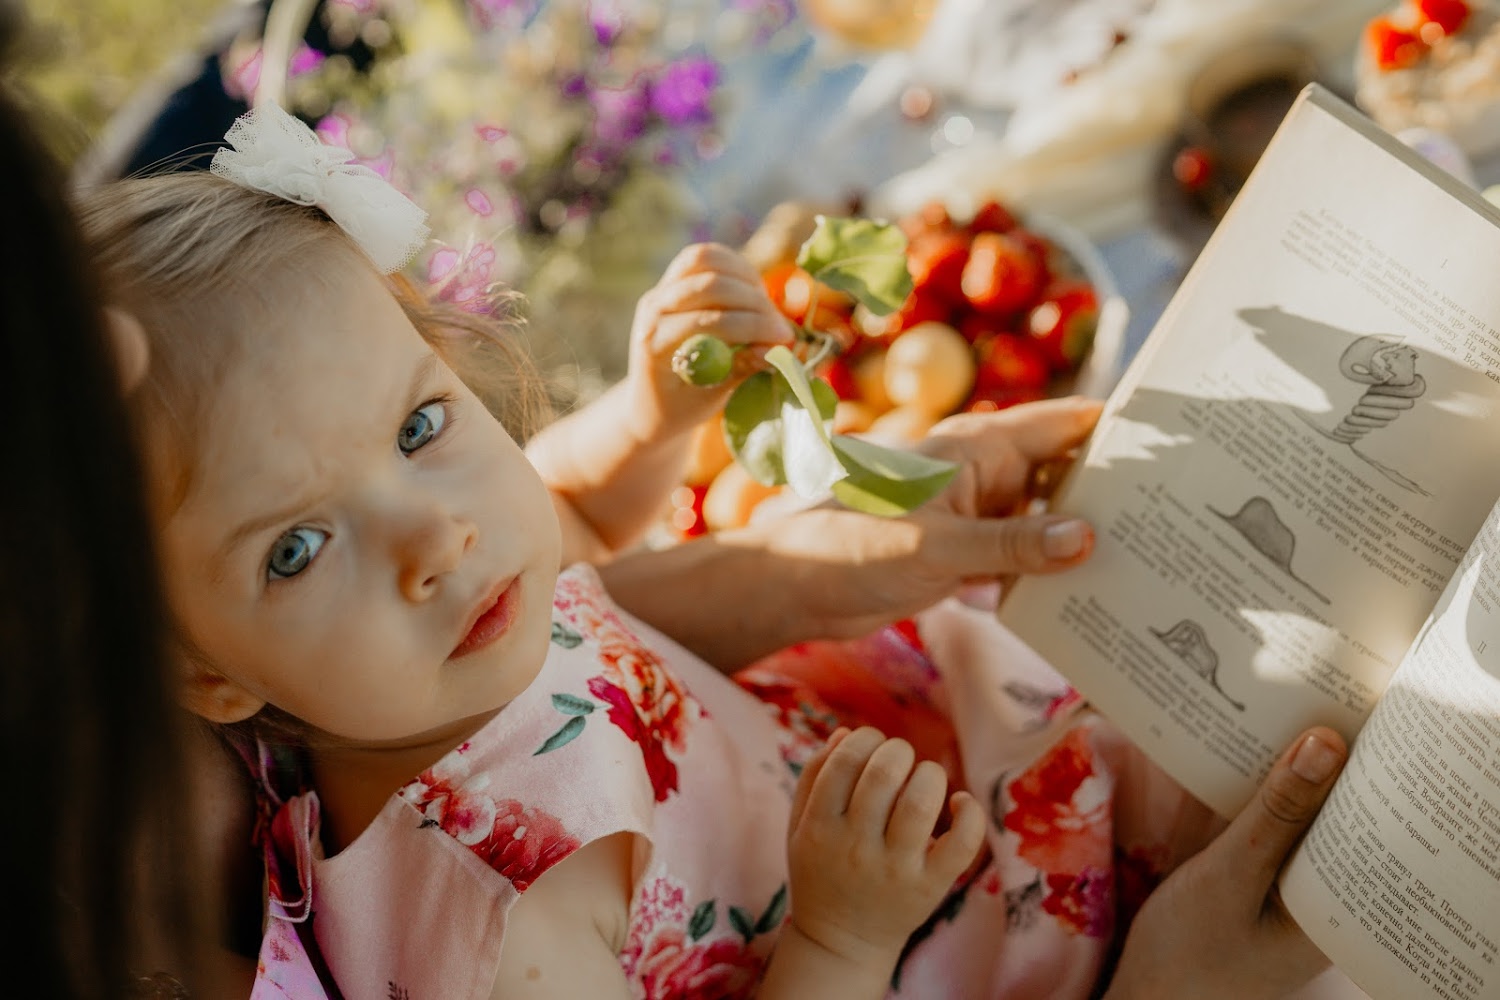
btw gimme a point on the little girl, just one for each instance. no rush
(521, 791)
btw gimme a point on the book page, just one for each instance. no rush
(1398, 881)
(1289, 473)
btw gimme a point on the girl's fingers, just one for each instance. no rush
(879, 785)
(810, 774)
(709, 257)
(836, 778)
(955, 850)
(732, 327)
(917, 809)
(707, 290)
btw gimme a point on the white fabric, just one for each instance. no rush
(278, 154)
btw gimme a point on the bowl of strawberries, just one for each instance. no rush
(1005, 308)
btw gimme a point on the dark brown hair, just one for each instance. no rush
(86, 721)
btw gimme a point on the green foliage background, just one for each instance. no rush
(86, 58)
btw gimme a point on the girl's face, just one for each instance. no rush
(362, 545)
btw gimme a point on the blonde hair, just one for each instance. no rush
(185, 253)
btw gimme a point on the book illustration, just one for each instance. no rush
(1389, 367)
(1189, 643)
(1258, 523)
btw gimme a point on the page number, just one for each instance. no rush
(1332, 922)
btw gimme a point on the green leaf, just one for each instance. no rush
(742, 921)
(805, 390)
(885, 481)
(702, 921)
(567, 734)
(571, 704)
(753, 420)
(564, 636)
(863, 257)
(775, 910)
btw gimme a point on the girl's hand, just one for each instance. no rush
(707, 288)
(866, 869)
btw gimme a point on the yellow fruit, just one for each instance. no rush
(930, 367)
(708, 453)
(731, 497)
(850, 417)
(902, 426)
(869, 378)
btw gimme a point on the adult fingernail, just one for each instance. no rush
(1315, 761)
(1064, 539)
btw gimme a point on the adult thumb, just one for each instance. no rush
(1011, 546)
(1259, 839)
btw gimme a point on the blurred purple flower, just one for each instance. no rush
(467, 282)
(490, 14)
(607, 17)
(684, 91)
(334, 130)
(619, 115)
(479, 203)
(305, 60)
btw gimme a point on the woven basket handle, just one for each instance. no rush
(286, 24)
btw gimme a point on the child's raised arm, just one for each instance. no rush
(611, 464)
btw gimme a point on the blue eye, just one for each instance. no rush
(293, 552)
(421, 427)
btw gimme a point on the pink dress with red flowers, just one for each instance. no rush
(625, 731)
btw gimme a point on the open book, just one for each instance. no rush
(1293, 489)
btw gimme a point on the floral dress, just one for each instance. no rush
(625, 731)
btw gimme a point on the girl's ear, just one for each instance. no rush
(207, 693)
(128, 341)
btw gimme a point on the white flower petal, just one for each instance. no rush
(811, 466)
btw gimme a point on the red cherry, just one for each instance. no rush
(1193, 167)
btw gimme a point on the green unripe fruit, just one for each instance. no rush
(703, 359)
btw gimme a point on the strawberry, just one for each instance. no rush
(930, 218)
(1007, 362)
(1393, 48)
(687, 511)
(992, 400)
(1002, 274)
(1449, 16)
(1051, 259)
(920, 306)
(801, 290)
(977, 326)
(1062, 324)
(837, 373)
(936, 261)
(992, 217)
(775, 280)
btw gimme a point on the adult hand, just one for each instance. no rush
(831, 573)
(858, 573)
(1216, 927)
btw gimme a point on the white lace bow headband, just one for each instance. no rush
(278, 154)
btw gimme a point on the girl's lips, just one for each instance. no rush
(492, 623)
